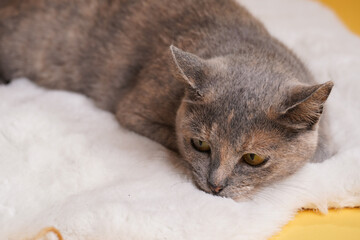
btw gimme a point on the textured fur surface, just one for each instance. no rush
(233, 85)
(51, 143)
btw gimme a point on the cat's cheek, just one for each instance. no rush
(201, 183)
(197, 163)
(199, 167)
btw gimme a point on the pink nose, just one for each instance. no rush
(215, 188)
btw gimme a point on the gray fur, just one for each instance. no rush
(176, 70)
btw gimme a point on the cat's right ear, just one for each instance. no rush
(304, 105)
(190, 67)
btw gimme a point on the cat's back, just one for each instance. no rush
(95, 47)
(117, 25)
(66, 44)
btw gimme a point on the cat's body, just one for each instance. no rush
(117, 53)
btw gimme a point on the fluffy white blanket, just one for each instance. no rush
(63, 162)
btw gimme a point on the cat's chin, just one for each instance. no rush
(237, 194)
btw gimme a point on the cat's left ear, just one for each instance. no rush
(303, 107)
(190, 67)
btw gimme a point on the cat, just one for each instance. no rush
(204, 78)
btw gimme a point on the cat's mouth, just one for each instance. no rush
(228, 189)
(236, 193)
(208, 187)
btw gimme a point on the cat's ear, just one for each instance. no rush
(190, 67)
(304, 105)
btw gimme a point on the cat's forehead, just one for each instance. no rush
(248, 80)
(239, 122)
(238, 108)
(233, 124)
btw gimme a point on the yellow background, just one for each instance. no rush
(341, 224)
(348, 11)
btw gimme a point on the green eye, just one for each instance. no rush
(199, 145)
(253, 159)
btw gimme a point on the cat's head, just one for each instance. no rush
(245, 121)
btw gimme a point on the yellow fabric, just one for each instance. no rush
(336, 225)
(348, 11)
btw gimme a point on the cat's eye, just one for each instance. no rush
(199, 145)
(253, 159)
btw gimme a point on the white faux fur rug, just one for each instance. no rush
(65, 163)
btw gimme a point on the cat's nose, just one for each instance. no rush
(215, 188)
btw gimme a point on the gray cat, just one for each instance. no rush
(240, 108)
